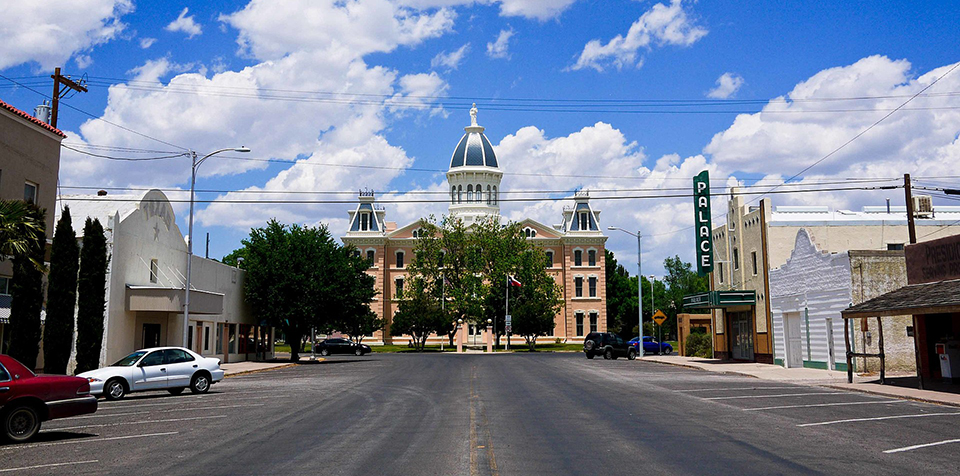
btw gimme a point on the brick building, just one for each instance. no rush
(575, 247)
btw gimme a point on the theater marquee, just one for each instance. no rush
(701, 207)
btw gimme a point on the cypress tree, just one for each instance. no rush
(26, 289)
(61, 297)
(91, 290)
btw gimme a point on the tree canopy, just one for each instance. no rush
(299, 277)
(91, 295)
(61, 296)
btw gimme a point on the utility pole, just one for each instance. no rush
(908, 194)
(70, 84)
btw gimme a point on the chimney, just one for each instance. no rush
(42, 112)
(101, 193)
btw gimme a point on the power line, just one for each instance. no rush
(128, 159)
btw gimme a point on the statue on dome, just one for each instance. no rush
(473, 115)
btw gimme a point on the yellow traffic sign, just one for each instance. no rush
(659, 317)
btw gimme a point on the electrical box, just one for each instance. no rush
(949, 355)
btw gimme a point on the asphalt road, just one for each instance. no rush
(511, 414)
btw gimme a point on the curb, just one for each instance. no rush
(254, 371)
(693, 367)
(901, 397)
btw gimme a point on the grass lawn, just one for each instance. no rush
(286, 348)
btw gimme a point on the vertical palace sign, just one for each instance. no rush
(701, 209)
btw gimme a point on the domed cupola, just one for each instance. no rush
(474, 175)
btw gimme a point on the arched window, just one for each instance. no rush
(592, 257)
(479, 193)
(549, 258)
(459, 193)
(577, 257)
(529, 232)
(489, 198)
(496, 196)
(453, 194)
(370, 256)
(399, 259)
(469, 193)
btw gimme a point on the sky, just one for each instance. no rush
(621, 98)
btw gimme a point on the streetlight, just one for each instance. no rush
(653, 309)
(639, 284)
(193, 183)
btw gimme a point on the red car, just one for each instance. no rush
(27, 399)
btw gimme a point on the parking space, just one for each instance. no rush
(885, 425)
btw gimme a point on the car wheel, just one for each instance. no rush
(200, 383)
(608, 354)
(175, 391)
(20, 424)
(589, 345)
(589, 355)
(114, 389)
(358, 352)
(324, 352)
(631, 354)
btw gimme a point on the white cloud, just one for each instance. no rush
(727, 85)
(533, 9)
(498, 49)
(147, 42)
(452, 59)
(185, 24)
(661, 25)
(269, 30)
(50, 34)
(83, 61)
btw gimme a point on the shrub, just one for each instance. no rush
(699, 345)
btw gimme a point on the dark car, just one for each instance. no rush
(27, 399)
(336, 345)
(607, 344)
(651, 346)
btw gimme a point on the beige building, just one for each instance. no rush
(145, 284)
(758, 238)
(574, 247)
(29, 165)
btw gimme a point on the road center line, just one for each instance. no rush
(916, 447)
(168, 420)
(112, 438)
(49, 465)
(734, 388)
(776, 396)
(823, 405)
(891, 417)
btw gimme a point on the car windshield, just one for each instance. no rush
(130, 359)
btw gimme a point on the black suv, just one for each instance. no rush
(609, 345)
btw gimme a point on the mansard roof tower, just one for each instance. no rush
(474, 175)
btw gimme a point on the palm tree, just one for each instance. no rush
(21, 228)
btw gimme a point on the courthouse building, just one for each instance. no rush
(574, 247)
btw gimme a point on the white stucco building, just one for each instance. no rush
(146, 275)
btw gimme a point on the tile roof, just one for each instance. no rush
(32, 119)
(927, 298)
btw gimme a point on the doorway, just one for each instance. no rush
(794, 341)
(150, 336)
(741, 335)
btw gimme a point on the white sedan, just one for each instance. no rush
(161, 368)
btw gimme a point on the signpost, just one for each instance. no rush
(509, 326)
(701, 206)
(659, 317)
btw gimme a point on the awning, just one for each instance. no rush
(927, 298)
(166, 299)
(720, 299)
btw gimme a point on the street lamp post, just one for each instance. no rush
(653, 309)
(193, 183)
(639, 284)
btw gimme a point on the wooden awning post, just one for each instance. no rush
(846, 339)
(883, 365)
(916, 350)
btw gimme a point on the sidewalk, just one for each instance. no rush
(239, 368)
(805, 376)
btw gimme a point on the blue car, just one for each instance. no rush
(651, 346)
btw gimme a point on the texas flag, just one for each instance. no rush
(513, 281)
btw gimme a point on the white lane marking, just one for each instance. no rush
(109, 415)
(824, 405)
(891, 417)
(50, 465)
(735, 388)
(142, 422)
(98, 416)
(143, 405)
(780, 395)
(57, 443)
(925, 445)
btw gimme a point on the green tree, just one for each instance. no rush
(26, 289)
(621, 297)
(91, 295)
(681, 281)
(538, 299)
(300, 277)
(21, 230)
(61, 296)
(418, 314)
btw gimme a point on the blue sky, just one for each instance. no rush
(223, 73)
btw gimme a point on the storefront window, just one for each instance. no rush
(232, 339)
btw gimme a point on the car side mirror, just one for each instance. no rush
(16, 376)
